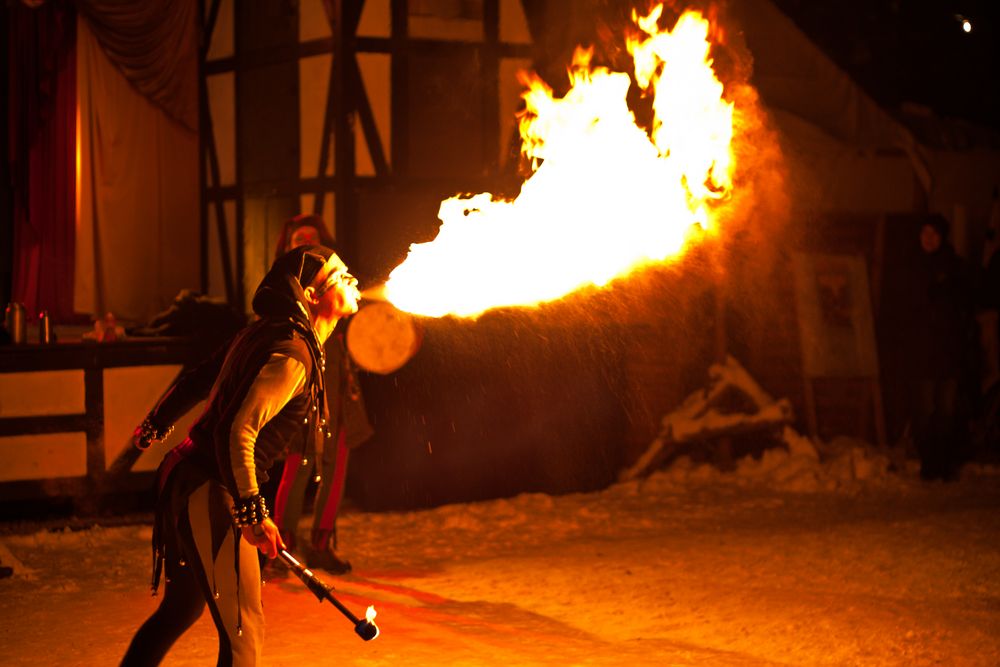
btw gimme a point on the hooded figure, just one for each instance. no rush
(943, 344)
(307, 458)
(210, 514)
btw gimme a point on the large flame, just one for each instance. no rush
(606, 196)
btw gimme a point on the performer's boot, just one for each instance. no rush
(322, 553)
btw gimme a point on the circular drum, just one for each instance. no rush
(381, 338)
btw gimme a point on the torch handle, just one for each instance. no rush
(313, 583)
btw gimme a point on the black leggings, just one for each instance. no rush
(199, 567)
(182, 605)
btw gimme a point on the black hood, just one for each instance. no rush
(280, 294)
(280, 301)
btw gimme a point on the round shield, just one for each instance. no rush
(381, 338)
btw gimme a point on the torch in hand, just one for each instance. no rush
(365, 628)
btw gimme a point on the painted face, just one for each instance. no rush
(930, 239)
(339, 289)
(304, 235)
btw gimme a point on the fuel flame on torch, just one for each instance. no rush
(370, 620)
(606, 196)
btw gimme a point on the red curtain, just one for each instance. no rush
(42, 107)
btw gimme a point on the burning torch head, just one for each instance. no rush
(367, 630)
(366, 627)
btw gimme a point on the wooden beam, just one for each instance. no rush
(207, 139)
(399, 78)
(490, 76)
(315, 47)
(367, 118)
(38, 425)
(343, 25)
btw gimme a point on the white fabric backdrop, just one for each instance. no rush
(137, 223)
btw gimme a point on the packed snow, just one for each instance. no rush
(810, 554)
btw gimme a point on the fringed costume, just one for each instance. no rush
(270, 391)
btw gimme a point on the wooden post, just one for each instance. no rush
(876, 391)
(811, 420)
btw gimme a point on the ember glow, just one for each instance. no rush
(606, 196)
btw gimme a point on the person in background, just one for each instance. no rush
(303, 229)
(944, 349)
(989, 297)
(987, 424)
(351, 428)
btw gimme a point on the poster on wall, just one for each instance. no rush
(835, 316)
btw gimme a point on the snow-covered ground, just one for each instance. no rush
(804, 557)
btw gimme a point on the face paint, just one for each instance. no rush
(337, 278)
(342, 285)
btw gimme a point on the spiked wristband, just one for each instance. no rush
(148, 432)
(250, 511)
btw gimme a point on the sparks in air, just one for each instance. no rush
(605, 197)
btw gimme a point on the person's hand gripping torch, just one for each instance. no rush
(365, 628)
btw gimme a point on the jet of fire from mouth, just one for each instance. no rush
(605, 198)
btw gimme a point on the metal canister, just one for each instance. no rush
(44, 327)
(16, 323)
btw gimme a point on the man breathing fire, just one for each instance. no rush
(210, 514)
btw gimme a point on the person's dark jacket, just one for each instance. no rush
(943, 325)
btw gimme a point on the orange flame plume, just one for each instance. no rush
(606, 197)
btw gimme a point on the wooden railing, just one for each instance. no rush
(40, 396)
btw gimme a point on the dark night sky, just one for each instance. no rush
(913, 50)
